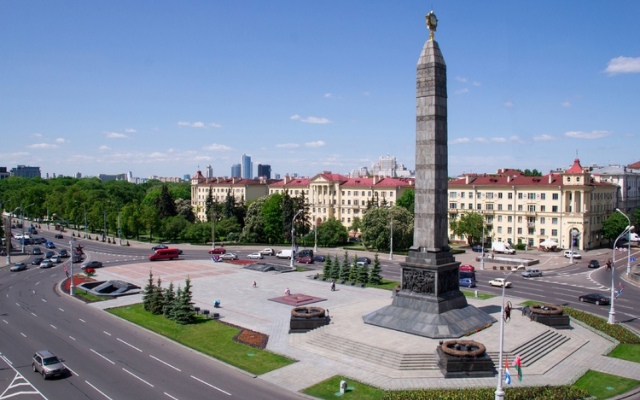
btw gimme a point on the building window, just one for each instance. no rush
(531, 196)
(499, 229)
(453, 206)
(471, 195)
(509, 196)
(542, 231)
(509, 218)
(509, 230)
(554, 221)
(509, 207)
(499, 218)
(452, 195)
(554, 232)
(519, 196)
(479, 206)
(519, 207)
(543, 196)
(554, 196)
(470, 206)
(499, 207)
(489, 196)
(490, 206)
(462, 195)
(532, 231)
(532, 208)
(543, 208)
(500, 195)
(519, 231)
(542, 220)
(554, 209)
(519, 219)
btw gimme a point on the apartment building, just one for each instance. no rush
(525, 209)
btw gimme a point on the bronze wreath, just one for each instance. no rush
(546, 309)
(307, 312)
(463, 348)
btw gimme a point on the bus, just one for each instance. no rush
(164, 254)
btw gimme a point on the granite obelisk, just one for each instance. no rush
(429, 302)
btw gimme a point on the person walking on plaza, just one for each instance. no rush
(287, 292)
(254, 284)
(333, 286)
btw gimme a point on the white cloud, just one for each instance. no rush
(566, 104)
(508, 104)
(287, 145)
(217, 147)
(42, 146)
(476, 83)
(461, 91)
(199, 124)
(60, 140)
(37, 135)
(459, 140)
(587, 135)
(157, 155)
(104, 148)
(310, 120)
(480, 140)
(328, 95)
(543, 138)
(318, 143)
(366, 93)
(130, 130)
(623, 65)
(461, 79)
(498, 139)
(115, 135)
(516, 138)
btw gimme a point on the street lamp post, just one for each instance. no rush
(482, 258)
(499, 391)
(315, 240)
(572, 234)
(391, 240)
(612, 310)
(119, 230)
(293, 237)
(9, 240)
(72, 288)
(628, 243)
(213, 228)
(22, 209)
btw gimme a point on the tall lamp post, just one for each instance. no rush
(499, 391)
(22, 209)
(572, 233)
(315, 240)
(391, 240)
(293, 237)
(213, 228)
(482, 257)
(612, 310)
(9, 238)
(72, 288)
(628, 243)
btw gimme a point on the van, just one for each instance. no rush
(284, 253)
(164, 254)
(305, 253)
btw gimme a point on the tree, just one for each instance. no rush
(356, 225)
(335, 271)
(613, 226)
(168, 301)
(353, 272)
(375, 277)
(363, 274)
(331, 233)
(407, 201)
(344, 271)
(165, 205)
(183, 311)
(147, 293)
(155, 303)
(272, 216)
(376, 231)
(175, 227)
(469, 225)
(184, 209)
(326, 269)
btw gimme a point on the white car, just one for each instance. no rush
(267, 252)
(56, 259)
(567, 254)
(257, 256)
(500, 282)
(229, 256)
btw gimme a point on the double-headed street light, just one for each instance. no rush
(612, 310)
(293, 237)
(628, 243)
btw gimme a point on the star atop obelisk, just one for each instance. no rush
(432, 23)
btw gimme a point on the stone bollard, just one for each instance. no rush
(343, 387)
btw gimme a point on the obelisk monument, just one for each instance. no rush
(429, 302)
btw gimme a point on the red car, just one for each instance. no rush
(307, 259)
(218, 250)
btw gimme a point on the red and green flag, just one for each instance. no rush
(517, 363)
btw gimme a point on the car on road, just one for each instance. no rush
(500, 282)
(319, 258)
(594, 264)
(91, 264)
(217, 250)
(50, 245)
(478, 248)
(56, 259)
(36, 251)
(364, 260)
(37, 261)
(255, 256)
(568, 253)
(47, 263)
(229, 256)
(268, 252)
(305, 259)
(77, 258)
(38, 240)
(18, 267)
(49, 254)
(47, 364)
(467, 282)
(531, 273)
(58, 236)
(63, 253)
(159, 247)
(595, 298)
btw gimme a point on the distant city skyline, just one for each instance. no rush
(161, 98)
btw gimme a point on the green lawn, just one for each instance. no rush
(481, 296)
(629, 352)
(330, 389)
(605, 386)
(206, 336)
(92, 298)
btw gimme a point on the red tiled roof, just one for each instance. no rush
(198, 175)
(635, 165)
(576, 168)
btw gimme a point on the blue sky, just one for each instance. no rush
(164, 87)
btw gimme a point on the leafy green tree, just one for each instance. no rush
(165, 205)
(175, 227)
(168, 301)
(407, 200)
(200, 232)
(613, 226)
(183, 312)
(226, 226)
(150, 219)
(344, 272)
(376, 231)
(353, 272)
(253, 231)
(468, 225)
(375, 277)
(184, 209)
(356, 224)
(272, 215)
(331, 233)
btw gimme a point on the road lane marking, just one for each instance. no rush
(81, 320)
(72, 338)
(165, 363)
(210, 385)
(136, 376)
(5, 321)
(70, 370)
(60, 309)
(53, 326)
(130, 345)
(102, 356)
(44, 301)
(168, 395)
(23, 334)
(98, 390)
(106, 333)
(34, 315)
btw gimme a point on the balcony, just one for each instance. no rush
(453, 211)
(531, 224)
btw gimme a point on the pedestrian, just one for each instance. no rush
(333, 286)
(287, 292)
(255, 285)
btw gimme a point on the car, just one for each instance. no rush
(18, 267)
(255, 256)
(37, 261)
(47, 263)
(364, 260)
(467, 282)
(159, 247)
(58, 236)
(218, 250)
(91, 264)
(568, 253)
(353, 240)
(50, 245)
(319, 258)
(63, 253)
(530, 273)
(36, 251)
(595, 298)
(268, 252)
(47, 364)
(56, 259)
(467, 268)
(500, 282)
(39, 240)
(306, 259)
(77, 258)
(229, 256)
(49, 254)
(478, 248)
(594, 264)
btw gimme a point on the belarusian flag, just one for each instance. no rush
(517, 363)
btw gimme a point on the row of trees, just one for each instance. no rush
(176, 305)
(350, 271)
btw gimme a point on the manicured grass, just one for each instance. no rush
(629, 352)
(92, 298)
(206, 336)
(481, 296)
(330, 389)
(387, 285)
(605, 386)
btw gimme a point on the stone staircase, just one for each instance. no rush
(535, 349)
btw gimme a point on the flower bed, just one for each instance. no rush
(308, 312)
(463, 348)
(546, 309)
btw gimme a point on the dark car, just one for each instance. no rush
(77, 257)
(467, 282)
(159, 247)
(49, 254)
(50, 245)
(36, 251)
(364, 260)
(38, 240)
(18, 267)
(306, 259)
(594, 264)
(37, 261)
(319, 258)
(91, 264)
(595, 298)
(63, 253)
(58, 236)
(477, 248)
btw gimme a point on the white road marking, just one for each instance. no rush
(136, 376)
(165, 363)
(44, 301)
(130, 345)
(70, 370)
(53, 326)
(60, 309)
(81, 320)
(5, 321)
(102, 356)
(106, 333)
(34, 315)
(72, 338)
(98, 390)
(168, 395)
(210, 385)
(23, 334)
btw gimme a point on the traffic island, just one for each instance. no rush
(464, 359)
